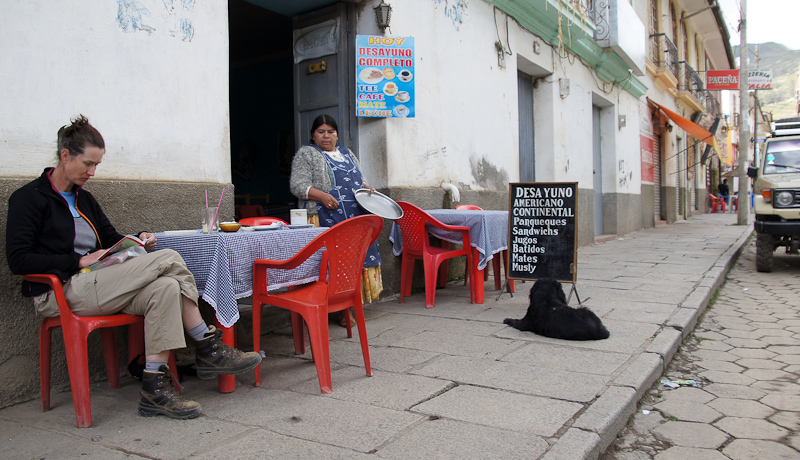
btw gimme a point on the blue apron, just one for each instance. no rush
(346, 180)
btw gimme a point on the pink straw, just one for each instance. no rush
(206, 198)
(218, 205)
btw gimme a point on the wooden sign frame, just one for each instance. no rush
(543, 231)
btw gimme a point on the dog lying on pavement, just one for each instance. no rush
(549, 315)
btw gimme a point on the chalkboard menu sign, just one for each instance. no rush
(542, 240)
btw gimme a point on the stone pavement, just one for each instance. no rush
(449, 382)
(744, 357)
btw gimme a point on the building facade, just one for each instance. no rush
(198, 95)
(685, 39)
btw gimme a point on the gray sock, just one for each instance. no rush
(154, 366)
(198, 332)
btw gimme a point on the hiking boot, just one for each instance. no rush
(215, 358)
(158, 396)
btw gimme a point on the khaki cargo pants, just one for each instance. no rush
(150, 285)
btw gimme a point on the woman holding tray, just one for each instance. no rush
(324, 178)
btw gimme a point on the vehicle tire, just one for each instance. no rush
(765, 248)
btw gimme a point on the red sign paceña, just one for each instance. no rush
(722, 79)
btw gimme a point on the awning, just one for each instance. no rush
(687, 125)
(690, 127)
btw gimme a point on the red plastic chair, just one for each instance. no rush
(498, 280)
(416, 245)
(76, 329)
(253, 221)
(717, 203)
(338, 288)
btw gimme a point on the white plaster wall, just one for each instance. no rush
(669, 157)
(564, 144)
(466, 126)
(564, 130)
(573, 128)
(158, 96)
(467, 108)
(629, 159)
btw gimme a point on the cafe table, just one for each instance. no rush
(488, 232)
(222, 265)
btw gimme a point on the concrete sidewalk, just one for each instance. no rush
(449, 382)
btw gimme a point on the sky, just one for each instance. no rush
(767, 21)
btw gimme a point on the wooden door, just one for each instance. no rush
(325, 84)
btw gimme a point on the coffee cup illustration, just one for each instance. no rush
(405, 75)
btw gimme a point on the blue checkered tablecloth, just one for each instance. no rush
(488, 231)
(222, 263)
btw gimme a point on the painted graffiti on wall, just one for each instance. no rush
(453, 10)
(130, 16)
(181, 26)
(625, 176)
(434, 152)
(185, 4)
(134, 16)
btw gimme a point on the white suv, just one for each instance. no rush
(777, 193)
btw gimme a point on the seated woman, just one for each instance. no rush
(324, 178)
(59, 228)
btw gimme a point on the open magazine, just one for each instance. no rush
(124, 249)
(123, 244)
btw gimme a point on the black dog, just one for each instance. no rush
(550, 316)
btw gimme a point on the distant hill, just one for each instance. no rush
(784, 63)
(779, 58)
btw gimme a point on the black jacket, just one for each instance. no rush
(40, 231)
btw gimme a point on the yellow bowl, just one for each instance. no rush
(229, 226)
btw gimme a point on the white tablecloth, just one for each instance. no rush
(222, 263)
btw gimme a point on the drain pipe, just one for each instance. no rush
(454, 195)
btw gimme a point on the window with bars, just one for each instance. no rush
(654, 54)
(674, 18)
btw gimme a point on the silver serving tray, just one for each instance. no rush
(379, 204)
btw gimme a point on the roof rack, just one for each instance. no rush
(786, 127)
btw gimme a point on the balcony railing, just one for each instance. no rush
(713, 108)
(689, 80)
(585, 7)
(664, 53)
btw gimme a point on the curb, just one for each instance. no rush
(598, 427)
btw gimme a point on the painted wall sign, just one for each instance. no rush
(385, 77)
(722, 79)
(648, 166)
(315, 41)
(759, 79)
(542, 240)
